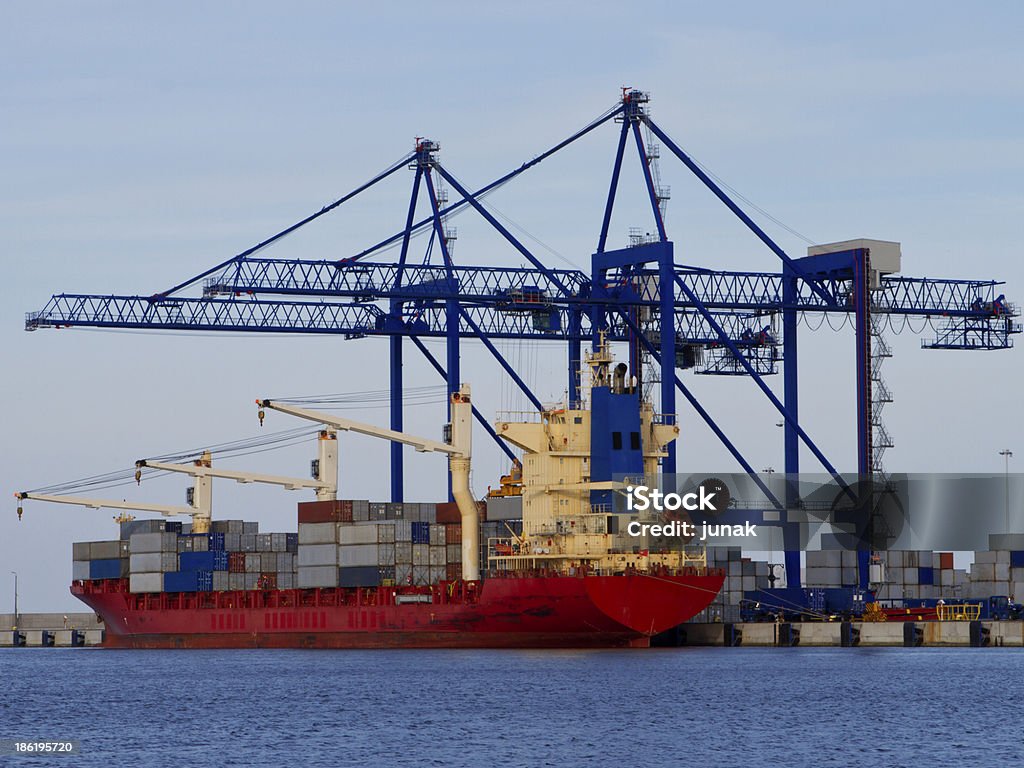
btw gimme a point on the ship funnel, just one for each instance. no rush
(458, 465)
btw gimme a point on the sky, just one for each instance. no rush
(142, 144)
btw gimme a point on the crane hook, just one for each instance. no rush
(138, 476)
(20, 512)
(261, 415)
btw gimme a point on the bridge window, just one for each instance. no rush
(617, 441)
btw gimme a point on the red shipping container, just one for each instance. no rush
(339, 511)
(453, 571)
(453, 533)
(236, 562)
(946, 561)
(448, 512)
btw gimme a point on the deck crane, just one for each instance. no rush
(200, 496)
(458, 445)
(324, 470)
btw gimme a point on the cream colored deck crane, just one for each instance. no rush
(458, 447)
(200, 495)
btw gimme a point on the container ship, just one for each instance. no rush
(548, 566)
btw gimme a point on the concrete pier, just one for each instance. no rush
(938, 634)
(38, 630)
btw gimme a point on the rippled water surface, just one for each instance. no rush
(693, 707)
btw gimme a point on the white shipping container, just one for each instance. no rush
(153, 542)
(253, 562)
(318, 576)
(147, 562)
(146, 582)
(1002, 571)
(985, 556)
(983, 571)
(318, 533)
(403, 573)
(454, 553)
(358, 533)
(80, 570)
(437, 573)
(386, 554)
(437, 535)
(278, 542)
(437, 555)
(353, 555)
(421, 554)
(318, 555)
(1002, 556)
(109, 550)
(403, 552)
(386, 533)
(403, 530)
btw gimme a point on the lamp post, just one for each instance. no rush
(15, 599)
(1007, 454)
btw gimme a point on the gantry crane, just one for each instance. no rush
(674, 317)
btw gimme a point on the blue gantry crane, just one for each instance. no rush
(675, 318)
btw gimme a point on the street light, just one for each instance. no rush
(1007, 454)
(15, 599)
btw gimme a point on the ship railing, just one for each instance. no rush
(961, 612)
(665, 419)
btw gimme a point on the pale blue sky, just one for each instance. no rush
(142, 144)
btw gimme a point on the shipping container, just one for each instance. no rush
(420, 533)
(316, 576)
(236, 562)
(393, 511)
(437, 535)
(153, 542)
(285, 580)
(80, 570)
(403, 552)
(291, 542)
(365, 576)
(233, 542)
(421, 554)
(438, 555)
(453, 571)
(248, 542)
(453, 533)
(236, 581)
(278, 542)
(357, 555)
(357, 533)
(250, 528)
(264, 542)
(317, 533)
(216, 541)
(253, 562)
(403, 574)
(172, 526)
(318, 555)
(454, 553)
(386, 532)
(146, 582)
(221, 581)
(130, 527)
(112, 568)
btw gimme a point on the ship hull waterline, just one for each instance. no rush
(540, 612)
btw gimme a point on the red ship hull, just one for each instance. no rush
(526, 612)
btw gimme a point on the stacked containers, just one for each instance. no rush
(92, 560)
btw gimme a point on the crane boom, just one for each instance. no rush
(421, 444)
(290, 483)
(459, 453)
(139, 506)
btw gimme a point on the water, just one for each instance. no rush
(694, 707)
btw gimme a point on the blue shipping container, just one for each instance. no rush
(420, 533)
(291, 542)
(172, 526)
(925, 575)
(181, 581)
(1017, 559)
(216, 541)
(204, 581)
(105, 569)
(197, 561)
